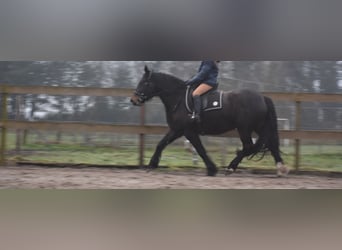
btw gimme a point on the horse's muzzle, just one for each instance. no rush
(135, 100)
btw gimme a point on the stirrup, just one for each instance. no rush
(196, 117)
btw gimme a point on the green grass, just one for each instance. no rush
(313, 157)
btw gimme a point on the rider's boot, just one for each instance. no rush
(197, 109)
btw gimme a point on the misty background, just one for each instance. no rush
(270, 76)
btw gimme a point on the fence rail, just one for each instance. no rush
(125, 92)
(152, 129)
(76, 91)
(144, 129)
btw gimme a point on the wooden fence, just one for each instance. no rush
(143, 129)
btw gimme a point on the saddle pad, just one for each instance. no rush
(210, 101)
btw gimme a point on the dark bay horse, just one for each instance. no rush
(244, 110)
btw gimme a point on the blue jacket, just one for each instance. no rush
(207, 73)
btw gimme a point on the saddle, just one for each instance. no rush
(210, 101)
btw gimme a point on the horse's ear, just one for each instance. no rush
(147, 70)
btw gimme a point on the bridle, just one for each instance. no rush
(142, 97)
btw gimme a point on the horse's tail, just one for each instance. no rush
(272, 121)
(268, 135)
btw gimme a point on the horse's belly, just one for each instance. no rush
(216, 128)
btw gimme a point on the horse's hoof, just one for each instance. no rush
(212, 172)
(149, 169)
(229, 171)
(282, 170)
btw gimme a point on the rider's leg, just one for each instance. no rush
(197, 108)
(200, 90)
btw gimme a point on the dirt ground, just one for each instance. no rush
(32, 177)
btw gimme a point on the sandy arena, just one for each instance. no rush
(31, 177)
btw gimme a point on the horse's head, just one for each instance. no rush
(146, 88)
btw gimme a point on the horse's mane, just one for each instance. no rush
(170, 78)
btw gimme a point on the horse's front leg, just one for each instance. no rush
(196, 142)
(170, 137)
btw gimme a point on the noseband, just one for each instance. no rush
(141, 96)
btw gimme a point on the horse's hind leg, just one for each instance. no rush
(168, 138)
(273, 145)
(248, 149)
(196, 142)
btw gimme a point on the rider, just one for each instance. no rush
(206, 79)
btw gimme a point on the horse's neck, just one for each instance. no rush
(168, 81)
(173, 90)
(171, 99)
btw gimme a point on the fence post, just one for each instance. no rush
(3, 128)
(297, 141)
(25, 133)
(18, 117)
(142, 138)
